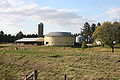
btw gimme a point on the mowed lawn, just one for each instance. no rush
(95, 63)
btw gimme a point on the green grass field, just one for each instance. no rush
(94, 63)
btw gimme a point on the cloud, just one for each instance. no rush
(113, 13)
(109, 15)
(10, 3)
(14, 13)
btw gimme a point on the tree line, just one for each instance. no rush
(8, 38)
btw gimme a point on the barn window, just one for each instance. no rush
(47, 42)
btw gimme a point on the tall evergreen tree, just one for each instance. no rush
(86, 31)
(93, 27)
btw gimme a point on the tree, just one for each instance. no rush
(84, 45)
(93, 27)
(1, 33)
(108, 33)
(20, 35)
(86, 32)
(98, 24)
(2, 36)
(76, 34)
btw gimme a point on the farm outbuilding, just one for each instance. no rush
(39, 41)
(59, 39)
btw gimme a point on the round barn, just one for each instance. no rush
(59, 39)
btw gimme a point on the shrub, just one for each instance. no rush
(84, 45)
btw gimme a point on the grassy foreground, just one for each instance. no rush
(53, 62)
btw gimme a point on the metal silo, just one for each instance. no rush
(79, 39)
(40, 30)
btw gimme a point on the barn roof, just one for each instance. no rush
(50, 34)
(30, 40)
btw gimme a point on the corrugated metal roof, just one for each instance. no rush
(59, 34)
(30, 40)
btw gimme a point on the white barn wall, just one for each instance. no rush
(59, 41)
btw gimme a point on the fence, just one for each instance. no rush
(34, 76)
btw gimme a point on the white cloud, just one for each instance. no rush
(16, 13)
(113, 13)
(109, 15)
(10, 3)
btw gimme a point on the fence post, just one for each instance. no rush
(25, 77)
(35, 77)
(65, 76)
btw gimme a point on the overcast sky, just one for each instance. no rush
(57, 15)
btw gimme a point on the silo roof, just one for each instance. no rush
(80, 36)
(50, 34)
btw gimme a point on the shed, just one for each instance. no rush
(39, 41)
